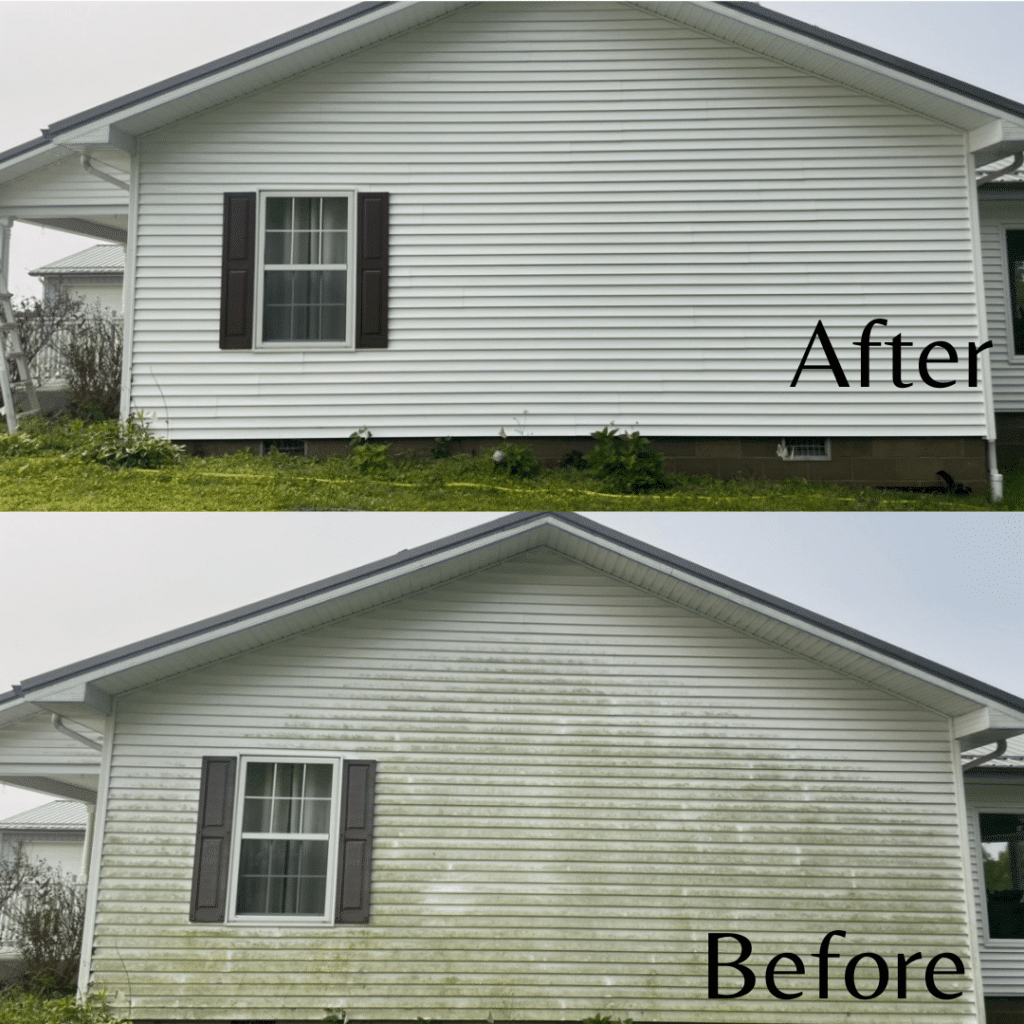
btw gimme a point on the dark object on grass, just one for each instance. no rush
(949, 486)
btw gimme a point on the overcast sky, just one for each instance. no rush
(61, 58)
(946, 586)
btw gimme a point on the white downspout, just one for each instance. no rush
(90, 825)
(995, 478)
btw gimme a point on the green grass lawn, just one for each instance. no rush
(50, 473)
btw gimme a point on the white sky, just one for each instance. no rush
(945, 586)
(61, 58)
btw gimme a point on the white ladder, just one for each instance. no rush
(20, 392)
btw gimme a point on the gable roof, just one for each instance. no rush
(99, 259)
(748, 25)
(56, 816)
(985, 712)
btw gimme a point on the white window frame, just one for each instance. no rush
(279, 920)
(1012, 354)
(989, 940)
(350, 268)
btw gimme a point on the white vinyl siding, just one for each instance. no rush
(1002, 960)
(67, 184)
(1007, 368)
(596, 214)
(576, 782)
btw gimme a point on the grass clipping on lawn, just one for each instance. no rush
(53, 476)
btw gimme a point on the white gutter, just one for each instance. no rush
(102, 175)
(58, 724)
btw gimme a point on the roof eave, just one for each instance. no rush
(225, 635)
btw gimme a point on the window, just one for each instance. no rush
(305, 281)
(805, 449)
(285, 848)
(1015, 261)
(305, 270)
(1002, 855)
(293, 844)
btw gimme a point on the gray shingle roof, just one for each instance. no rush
(99, 259)
(59, 815)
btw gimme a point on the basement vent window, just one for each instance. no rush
(805, 449)
(285, 448)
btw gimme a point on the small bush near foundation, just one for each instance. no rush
(442, 448)
(127, 445)
(516, 460)
(19, 1006)
(626, 462)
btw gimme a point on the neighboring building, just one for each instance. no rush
(95, 275)
(525, 773)
(441, 219)
(53, 833)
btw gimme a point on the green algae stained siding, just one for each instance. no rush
(576, 783)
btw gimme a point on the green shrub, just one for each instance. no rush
(516, 460)
(442, 448)
(18, 1006)
(126, 445)
(626, 462)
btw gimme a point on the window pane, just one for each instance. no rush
(278, 247)
(318, 780)
(304, 305)
(1002, 844)
(279, 214)
(303, 213)
(284, 877)
(303, 249)
(334, 244)
(335, 214)
(316, 816)
(1015, 256)
(259, 779)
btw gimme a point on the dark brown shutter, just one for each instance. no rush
(372, 270)
(356, 841)
(238, 270)
(213, 840)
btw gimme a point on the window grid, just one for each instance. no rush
(283, 861)
(306, 243)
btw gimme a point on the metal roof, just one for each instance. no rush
(100, 259)
(60, 815)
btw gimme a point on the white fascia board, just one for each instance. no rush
(81, 134)
(861, 63)
(99, 134)
(996, 140)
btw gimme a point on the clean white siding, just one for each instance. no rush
(597, 215)
(66, 184)
(1002, 960)
(577, 782)
(1007, 368)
